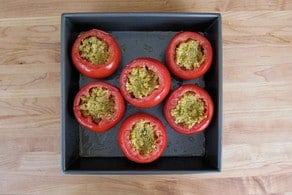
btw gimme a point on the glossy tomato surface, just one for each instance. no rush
(172, 102)
(104, 124)
(100, 70)
(125, 143)
(158, 95)
(171, 51)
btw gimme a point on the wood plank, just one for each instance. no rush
(30, 40)
(34, 8)
(30, 106)
(186, 184)
(30, 121)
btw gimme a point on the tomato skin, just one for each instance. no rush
(102, 70)
(172, 101)
(170, 55)
(158, 95)
(125, 144)
(104, 124)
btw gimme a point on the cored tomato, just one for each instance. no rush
(96, 54)
(98, 106)
(189, 109)
(142, 138)
(189, 55)
(145, 82)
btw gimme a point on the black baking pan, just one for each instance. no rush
(139, 35)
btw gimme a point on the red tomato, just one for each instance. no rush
(172, 102)
(171, 51)
(156, 96)
(126, 145)
(104, 123)
(97, 70)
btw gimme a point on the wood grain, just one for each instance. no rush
(257, 126)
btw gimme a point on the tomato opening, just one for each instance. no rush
(189, 111)
(145, 82)
(143, 137)
(94, 50)
(141, 82)
(189, 55)
(96, 54)
(98, 104)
